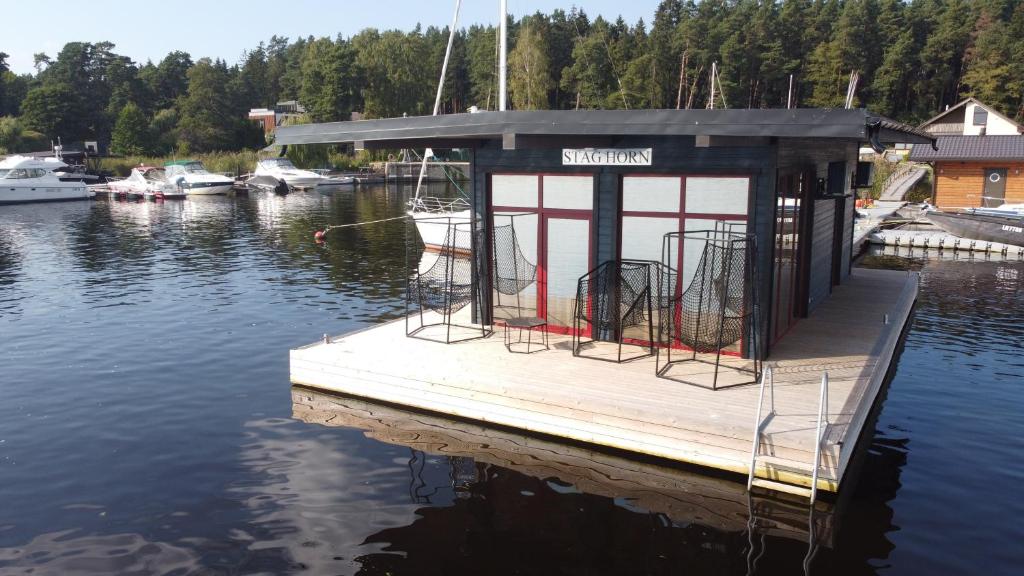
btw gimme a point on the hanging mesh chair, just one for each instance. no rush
(717, 308)
(449, 284)
(512, 270)
(616, 296)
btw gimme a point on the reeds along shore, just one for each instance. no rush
(238, 162)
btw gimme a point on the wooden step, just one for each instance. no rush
(782, 487)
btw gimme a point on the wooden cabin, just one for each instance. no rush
(582, 189)
(977, 158)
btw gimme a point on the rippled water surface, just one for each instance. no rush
(147, 423)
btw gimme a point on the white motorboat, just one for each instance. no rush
(24, 179)
(336, 182)
(146, 182)
(194, 179)
(283, 169)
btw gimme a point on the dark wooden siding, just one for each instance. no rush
(819, 154)
(821, 253)
(847, 238)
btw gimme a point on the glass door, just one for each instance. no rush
(566, 259)
(551, 216)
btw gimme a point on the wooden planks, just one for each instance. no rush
(625, 405)
(962, 184)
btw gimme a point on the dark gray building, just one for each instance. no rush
(586, 187)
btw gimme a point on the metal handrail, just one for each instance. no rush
(435, 205)
(901, 171)
(767, 381)
(822, 417)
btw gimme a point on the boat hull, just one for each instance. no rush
(43, 193)
(207, 189)
(338, 182)
(433, 229)
(302, 182)
(1001, 229)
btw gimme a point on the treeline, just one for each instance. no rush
(913, 58)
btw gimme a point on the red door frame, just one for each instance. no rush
(543, 215)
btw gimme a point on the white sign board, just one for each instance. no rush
(606, 156)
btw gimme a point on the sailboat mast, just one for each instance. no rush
(502, 55)
(447, 56)
(437, 101)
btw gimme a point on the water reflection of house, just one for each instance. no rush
(977, 158)
(587, 195)
(518, 492)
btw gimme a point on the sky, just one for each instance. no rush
(145, 30)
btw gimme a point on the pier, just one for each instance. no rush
(852, 335)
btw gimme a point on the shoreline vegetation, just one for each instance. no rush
(244, 161)
(914, 58)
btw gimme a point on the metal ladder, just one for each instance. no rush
(768, 381)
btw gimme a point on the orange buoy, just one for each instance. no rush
(319, 235)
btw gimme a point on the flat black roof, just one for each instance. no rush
(465, 130)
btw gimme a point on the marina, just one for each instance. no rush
(244, 452)
(626, 299)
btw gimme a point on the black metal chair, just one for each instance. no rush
(512, 273)
(448, 286)
(615, 296)
(719, 306)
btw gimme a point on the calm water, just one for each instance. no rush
(146, 418)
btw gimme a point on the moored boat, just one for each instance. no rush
(192, 177)
(981, 226)
(24, 179)
(146, 182)
(283, 169)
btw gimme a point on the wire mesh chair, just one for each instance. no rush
(719, 306)
(511, 273)
(616, 296)
(448, 285)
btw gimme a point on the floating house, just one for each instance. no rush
(977, 158)
(674, 283)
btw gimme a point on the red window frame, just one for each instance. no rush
(681, 218)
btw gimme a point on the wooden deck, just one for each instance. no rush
(626, 406)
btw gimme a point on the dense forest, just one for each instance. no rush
(913, 58)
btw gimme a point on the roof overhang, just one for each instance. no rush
(524, 129)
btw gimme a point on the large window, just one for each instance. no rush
(654, 205)
(551, 216)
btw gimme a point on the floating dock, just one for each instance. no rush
(937, 239)
(852, 335)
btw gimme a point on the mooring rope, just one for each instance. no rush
(319, 235)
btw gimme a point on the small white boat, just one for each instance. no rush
(336, 182)
(24, 179)
(283, 169)
(436, 217)
(146, 182)
(192, 177)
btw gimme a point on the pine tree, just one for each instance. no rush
(131, 132)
